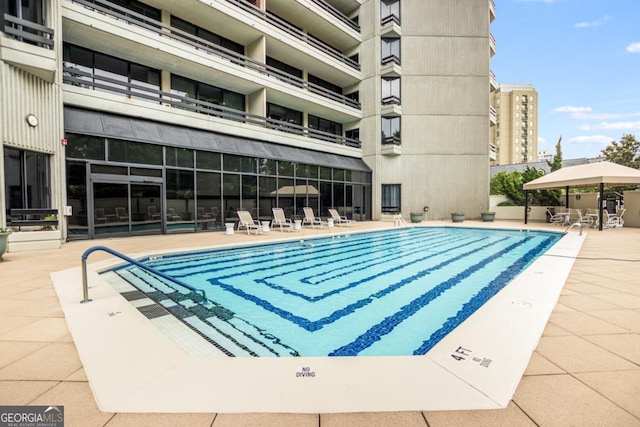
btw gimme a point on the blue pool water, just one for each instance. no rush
(392, 292)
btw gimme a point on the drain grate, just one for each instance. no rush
(133, 295)
(153, 310)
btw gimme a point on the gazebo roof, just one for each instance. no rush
(587, 175)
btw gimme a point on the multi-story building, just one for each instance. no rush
(137, 117)
(515, 136)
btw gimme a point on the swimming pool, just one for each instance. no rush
(386, 293)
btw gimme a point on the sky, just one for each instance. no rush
(583, 58)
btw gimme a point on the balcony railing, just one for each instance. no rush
(391, 140)
(27, 31)
(337, 14)
(391, 99)
(389, 18)
(133, 18)
(390, 59)
(296, 32)
(76, 77)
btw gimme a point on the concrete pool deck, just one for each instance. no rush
(584, 371)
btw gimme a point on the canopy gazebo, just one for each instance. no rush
(588, 175)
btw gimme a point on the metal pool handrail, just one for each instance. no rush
(85, 287)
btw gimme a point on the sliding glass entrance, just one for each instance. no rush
(126, 209)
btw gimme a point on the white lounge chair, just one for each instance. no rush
(612, 221)
(246, 221)
(279, 219)
(153, 213)
(121, 214)
(172, 215)
(311, 219)
(339, 219)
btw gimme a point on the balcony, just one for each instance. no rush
(282, 25)
(493, 83)
(492, 45)
(166, 32)
(492, 10)
(28, 46)
(93, 82)
(493, 118)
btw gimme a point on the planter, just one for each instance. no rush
(416, 217)
(3, 242)
(488, 216)
(457, 216)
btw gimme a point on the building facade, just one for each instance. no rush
(515, 136)
(140, 117)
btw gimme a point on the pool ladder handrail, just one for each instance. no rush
(575, 224)
(85, 282)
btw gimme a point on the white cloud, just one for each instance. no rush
(591, 139)
(583, 127)
(572, 109)
(634, 47)
(596, 23)
(619, 126)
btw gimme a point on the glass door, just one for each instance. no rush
(109, 201)
(126, 208)
(147, 209)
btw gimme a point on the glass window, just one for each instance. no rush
(267, 167)
(325, 172)
(208, 160)
(272, 62)
(390, 50)
(26, 179)
(307, 171)
(84, 147)
(325, 125)
(391, 130)
(390, 198)
(389, 11)
(284, 114)
(239, 163)
(325, 84)
(391, 90)
(286, 168)
(134, 152)
(182, 157)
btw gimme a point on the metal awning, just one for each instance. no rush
(98, 123)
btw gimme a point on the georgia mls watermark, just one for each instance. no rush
(31, 416)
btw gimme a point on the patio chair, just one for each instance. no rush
(340, 219)
(311, 219)
(153, 213)
(611, 221)
(99, 216)
(172, 215)
(279, 219)
(557, 218)
(246, 221)
(121, 214)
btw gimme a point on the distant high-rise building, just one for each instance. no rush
(515, 136)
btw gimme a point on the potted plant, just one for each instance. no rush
(487, 216)
(4, 235)
(457, 216)
(416, 216)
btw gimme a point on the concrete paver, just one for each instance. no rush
(585, 371)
